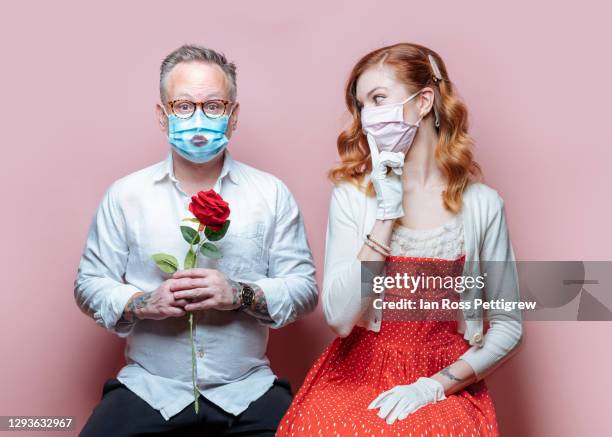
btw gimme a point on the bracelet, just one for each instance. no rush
(376, 248)
(378, 243)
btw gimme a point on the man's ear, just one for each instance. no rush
(233, 121)
(162, 119)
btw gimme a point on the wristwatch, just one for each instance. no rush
(247, 295)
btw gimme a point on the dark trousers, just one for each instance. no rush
(121, 413)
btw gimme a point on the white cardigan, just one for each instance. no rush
(351, 218)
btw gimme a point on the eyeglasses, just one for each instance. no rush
(211, 108)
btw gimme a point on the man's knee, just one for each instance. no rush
(116, 414)
(275, 402)
(282, 394)
(263, 415)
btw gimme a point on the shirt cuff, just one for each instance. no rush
(112, 310)
(280, 308)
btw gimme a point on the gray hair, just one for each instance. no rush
(187, 53)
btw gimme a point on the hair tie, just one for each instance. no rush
(434, 66)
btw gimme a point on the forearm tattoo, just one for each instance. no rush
(259, 308)
(446, 372)
(139, 302)
(235, 290)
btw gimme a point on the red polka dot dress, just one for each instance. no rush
(354, 370)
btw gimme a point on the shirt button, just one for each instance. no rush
(201, 354)
(478, 338)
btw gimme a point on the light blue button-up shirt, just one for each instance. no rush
(140, 215)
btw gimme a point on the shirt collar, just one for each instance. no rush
(166, 169)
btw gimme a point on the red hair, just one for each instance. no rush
(454, 148)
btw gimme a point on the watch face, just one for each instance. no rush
(247, 295)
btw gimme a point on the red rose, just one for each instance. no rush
(210, 209)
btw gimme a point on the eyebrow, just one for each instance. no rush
(372, 91)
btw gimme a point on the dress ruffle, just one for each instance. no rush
(443, 242)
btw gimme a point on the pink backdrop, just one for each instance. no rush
(79, 87)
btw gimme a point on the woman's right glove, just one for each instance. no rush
(388, 186)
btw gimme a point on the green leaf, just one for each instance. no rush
(190, 259)
(216, 235)
(191, 219)
(166, 263)
(190, 235)
(210, 250)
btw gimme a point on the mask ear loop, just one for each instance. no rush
(168, 123)
(418, 123)
(409, 98)
(421, 117)
(163, 107)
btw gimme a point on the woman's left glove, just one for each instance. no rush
(402, 400)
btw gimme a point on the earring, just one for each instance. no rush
(437, 121)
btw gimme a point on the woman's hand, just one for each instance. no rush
(387, 185)
(402, 400)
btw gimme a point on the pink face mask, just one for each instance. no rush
(385, 125)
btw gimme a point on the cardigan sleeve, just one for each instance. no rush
(343, 305)
(497, 263)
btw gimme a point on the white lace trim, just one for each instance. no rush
(444, 242)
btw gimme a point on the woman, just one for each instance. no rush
(408, 196)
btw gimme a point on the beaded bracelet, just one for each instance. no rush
(376, 248)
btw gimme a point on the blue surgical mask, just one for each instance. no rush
(181, 133)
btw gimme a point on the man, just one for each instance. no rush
(264, 279)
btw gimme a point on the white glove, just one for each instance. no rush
(388, 187)
(402, 400)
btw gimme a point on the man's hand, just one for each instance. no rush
(205, 289)
(156, 305)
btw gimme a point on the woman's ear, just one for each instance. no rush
(233, 121)
(162, 119)
(426, 101)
